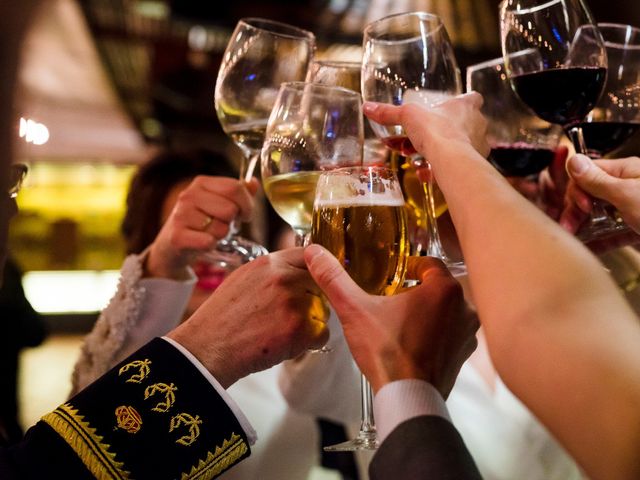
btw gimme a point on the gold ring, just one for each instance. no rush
(207, 221)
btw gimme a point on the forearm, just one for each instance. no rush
(546, 332)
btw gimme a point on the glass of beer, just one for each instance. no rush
(359, 216)
(312, 128)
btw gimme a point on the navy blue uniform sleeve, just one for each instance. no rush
(153, 416)
(425, 447)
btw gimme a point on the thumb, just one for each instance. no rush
(591, 178)
(341, 291)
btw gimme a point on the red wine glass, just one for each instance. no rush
(557, 64)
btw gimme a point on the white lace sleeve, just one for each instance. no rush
(141, 309)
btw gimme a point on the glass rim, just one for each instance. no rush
(358, 168)
(295, 32)
(335, 63)
(621, 26)
(319, 88)
(421, 15)
(524, 11)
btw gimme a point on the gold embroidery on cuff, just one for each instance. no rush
(143, 370)
(168, 390)
(128, 419)
(84, 441)
(220, 460)
(188, 421)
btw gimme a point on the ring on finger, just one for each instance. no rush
(206, 222)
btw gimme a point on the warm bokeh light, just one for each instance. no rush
(33, 132)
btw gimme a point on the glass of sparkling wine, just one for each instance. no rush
(359, 216)
(312, 128)
(261, 54)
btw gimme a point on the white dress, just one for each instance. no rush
(144, 308)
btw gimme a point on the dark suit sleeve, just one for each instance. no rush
(425, 447)
(153, 416)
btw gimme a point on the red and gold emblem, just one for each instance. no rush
(128, 419)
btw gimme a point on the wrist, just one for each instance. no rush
(207, 354)
(161, 264)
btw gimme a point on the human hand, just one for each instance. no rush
(616, 181)
(200, 217)
(457, 120)
(553, 184)
(426, 332)
(266, 311)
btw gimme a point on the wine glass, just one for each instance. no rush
(408, 58)
(260, 56)
(616, 117)
(359, 216)
(347, 75)
(312, 128)
(522, 144)
(557, 64)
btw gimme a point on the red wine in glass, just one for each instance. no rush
(561, 95)
(520, 159)
(602, 138)
(400, 143)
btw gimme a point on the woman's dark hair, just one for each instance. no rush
(152, 183)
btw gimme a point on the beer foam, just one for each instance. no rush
(348, 191)
(375, 200)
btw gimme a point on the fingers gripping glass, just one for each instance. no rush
(261, 55)
(359, 216)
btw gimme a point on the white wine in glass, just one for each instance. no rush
(313, 128)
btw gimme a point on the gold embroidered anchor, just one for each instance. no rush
(168, 390)
(144, 370)
(188, 421)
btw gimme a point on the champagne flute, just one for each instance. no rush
(522, 144)
(259, 57)
(348, 75)
(557, 64)
(359, 216)
(408, 58)
(312, 128)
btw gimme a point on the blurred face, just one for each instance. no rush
(209, 276)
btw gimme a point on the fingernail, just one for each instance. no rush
(578, 164)
(313, 251)
(369, 107)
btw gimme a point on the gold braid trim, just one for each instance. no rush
(217, 462)
(84, 441)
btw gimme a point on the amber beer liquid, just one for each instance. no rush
(369, 240)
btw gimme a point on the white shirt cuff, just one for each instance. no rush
(402, 400)
(251, 434)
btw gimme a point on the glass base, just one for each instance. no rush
(364, 441)
(236, 251)
(602, 229)
(456, 268)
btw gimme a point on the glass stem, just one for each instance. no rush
(368, 426)
(434, 248)
(598, 212)
(303, 237)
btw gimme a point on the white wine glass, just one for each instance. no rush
(408, 58)
(261, 55)
(312, 128)
(348, 75)
(359, 216)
